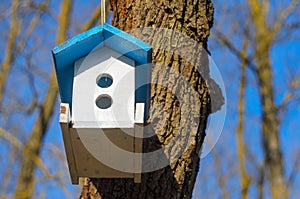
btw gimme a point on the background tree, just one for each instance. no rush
(24, 187)
(256, 32)
(24, 60)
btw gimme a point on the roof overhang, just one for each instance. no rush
(67, 53)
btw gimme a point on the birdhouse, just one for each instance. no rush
(103, 76)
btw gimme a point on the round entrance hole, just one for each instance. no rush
(104, 101)
(104, 80)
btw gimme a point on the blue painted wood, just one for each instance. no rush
(67, 53)
(126, 44)
(71, 42)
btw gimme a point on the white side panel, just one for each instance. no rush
(64, 120)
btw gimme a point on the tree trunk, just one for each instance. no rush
(170, 118)
(270, 130)
(264, 38)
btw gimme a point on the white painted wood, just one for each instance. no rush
(85, 112)
(104, 143)
(139, 113)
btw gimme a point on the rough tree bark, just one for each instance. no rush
(194, 19)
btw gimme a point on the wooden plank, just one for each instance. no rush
(88, 165)
(64, 120)
(138, 141)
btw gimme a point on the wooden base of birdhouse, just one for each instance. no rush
(103, 153)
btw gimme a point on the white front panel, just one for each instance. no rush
(85, 112)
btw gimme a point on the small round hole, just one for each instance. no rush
(104, 101)
(104, 80)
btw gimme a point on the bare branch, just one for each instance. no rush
(18, 144)
(284, 15)
(13, 33)
(241, 146)
(294, 171)
(260, 181)
(292, 94)
(32, 25)
(94, 18)
(5, 14)
(243, 57)
(292, 26)
(266, 6)
(9, 170)
(220, 179)
(12, 139)
(11, 52)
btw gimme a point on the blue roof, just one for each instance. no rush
(67, 53)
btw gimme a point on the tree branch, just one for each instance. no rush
(294, 171)
(94, 18)
(221, 38)
(284, 15)
(292, 94)
(260, 181)
(14, 49)
(220, 180)
(241, 146)
(18, 144)
(41, 9)
(13, 33)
